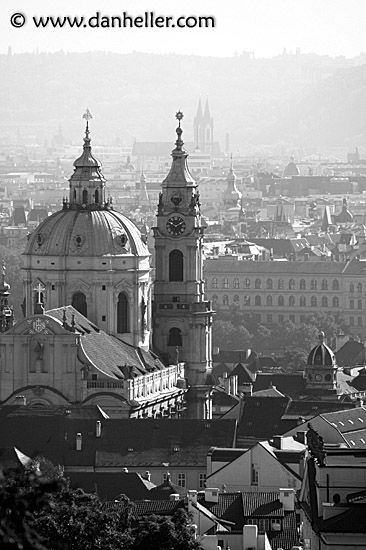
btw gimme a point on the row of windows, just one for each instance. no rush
(270, 301)
(269, 284)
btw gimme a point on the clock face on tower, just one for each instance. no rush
(176, 226)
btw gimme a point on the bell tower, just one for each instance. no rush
(182, 316)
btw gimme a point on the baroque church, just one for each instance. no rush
(92, 332)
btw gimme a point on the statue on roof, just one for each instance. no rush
(315, 444)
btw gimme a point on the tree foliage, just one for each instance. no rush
(40, 511)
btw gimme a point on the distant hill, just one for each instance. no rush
(265, 101)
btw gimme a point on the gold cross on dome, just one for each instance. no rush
(87, 115)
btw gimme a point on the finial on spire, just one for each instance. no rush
(87, 116)
(179, 143)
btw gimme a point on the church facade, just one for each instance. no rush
(86, 333)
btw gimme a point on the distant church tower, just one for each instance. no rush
(203, 128)
(182, 316)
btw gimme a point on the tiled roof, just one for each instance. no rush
(350, 354)
(262, 267)
(110, 484)
(357, 439)
(179, 441)
(157, 507)
(269, 392)
(165, 489)
(261, 416)
(262, 504)
(288, 384)
(347, 420)
(288, 537)
(107, 353)
(229, 508)
(307, 409)
(356, 267)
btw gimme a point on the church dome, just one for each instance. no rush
(101, 232)
(291, 169)
(87, 225)
(321, 354)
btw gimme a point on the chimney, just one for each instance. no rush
(147, 475)
(277, 441)
(192, 496)
(250, 537)
(174, 497)
(212, 495)
(79, 441)
(287, 499)
(98, 428)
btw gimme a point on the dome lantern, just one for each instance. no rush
(87, 183)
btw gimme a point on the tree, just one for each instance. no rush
(39, 511)
(227, 336)
(162, 533)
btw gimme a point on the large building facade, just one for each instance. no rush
(275, 291)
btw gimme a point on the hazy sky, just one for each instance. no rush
(334, 27)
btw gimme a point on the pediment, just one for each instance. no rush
(36, 324)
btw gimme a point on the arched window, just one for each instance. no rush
(122, 313)
(335, 301)
(257, 283)
(269, 284)
(359, 288)
(291, 301)
(324, 301)
(351, 287)
(280, 284)
(324, 284)
(291, 284)
(225, 299)
(247, 283)
(302, 301)
(79, 303)
(85, 197)
(313, 301)
(257, 301)
(313, 284)
(74, 195)
(281, 301)
(236, 283)
(214, 282)
(175, 337)
(269, 301)
(96, 196)
(246, 300)
(225, 283)
(215, 298)
(302, 284)
(335, 284)
(176, 265)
